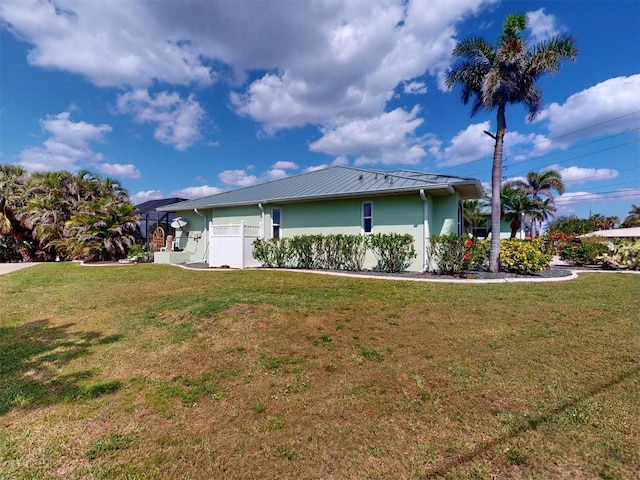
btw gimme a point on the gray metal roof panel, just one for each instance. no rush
(330, 182)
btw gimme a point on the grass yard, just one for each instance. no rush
(153, 372)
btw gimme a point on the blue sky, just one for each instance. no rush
(197, 97)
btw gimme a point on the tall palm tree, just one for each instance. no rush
(541, 184)
(633, 217)
(501, 75)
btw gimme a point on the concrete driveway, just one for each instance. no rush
(12, 267)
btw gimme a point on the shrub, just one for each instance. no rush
(453, 254)
(274, 252)
(449, 253)
(138, 253)
(522, 256)
(305, 252)
(393, 251)
(344, 252)
(588, 251)
(351, 250)
(625, 254)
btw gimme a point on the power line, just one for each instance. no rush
(588, 154)
(608, 137)
(595, 196)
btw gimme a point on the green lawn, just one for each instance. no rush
(151, 371)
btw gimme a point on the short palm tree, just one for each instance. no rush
(505, 74)
(633, 217)
(473, 214)
(541, 184)
(516, 204)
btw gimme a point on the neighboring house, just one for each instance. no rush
(334, 200)
(505, 228)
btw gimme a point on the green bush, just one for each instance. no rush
(625, 254)
(306, 251)
(449, 253)
(350, 251)
(271, 253)
(523, 256)
(138, 253)
(588, 251)
(336, 252)
(393, 251)
(453, 254)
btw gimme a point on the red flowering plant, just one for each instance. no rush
(453, 254)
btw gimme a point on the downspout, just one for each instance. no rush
(425, 232)
(261, 220)
(204, 232)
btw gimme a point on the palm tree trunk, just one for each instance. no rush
(496, 184)
(534, 223)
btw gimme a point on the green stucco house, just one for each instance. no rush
(219, 229)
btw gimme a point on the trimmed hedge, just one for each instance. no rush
(393, 251)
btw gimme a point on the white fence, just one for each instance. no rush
(232, 245)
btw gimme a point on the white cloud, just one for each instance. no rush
(177, 119)
(68, 146)
(145, 196)
(285, 165)
(315, 168)
(119, 170)
(567, 201)
(609, 107)
(387, 138)
(326, 63)
(197, 192)
(627, 195)
(340, 161)
(467, 146)
(414, 88)
(110, 45)
(541, 25)
(578, 175)
(383, 45)
(239, 178)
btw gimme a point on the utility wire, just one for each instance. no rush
(565, 135)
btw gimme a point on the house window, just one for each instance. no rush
(367, 217)
(276, 222)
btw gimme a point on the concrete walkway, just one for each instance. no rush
(12, 267)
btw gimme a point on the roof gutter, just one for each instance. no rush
(261, 220)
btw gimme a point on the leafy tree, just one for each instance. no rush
(496, 76)
(541, 184)
(633, 217)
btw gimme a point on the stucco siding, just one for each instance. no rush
(398, 214)
(403, 214)
(444, 215)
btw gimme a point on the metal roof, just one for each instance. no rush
(152, 205)
(336, 182)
